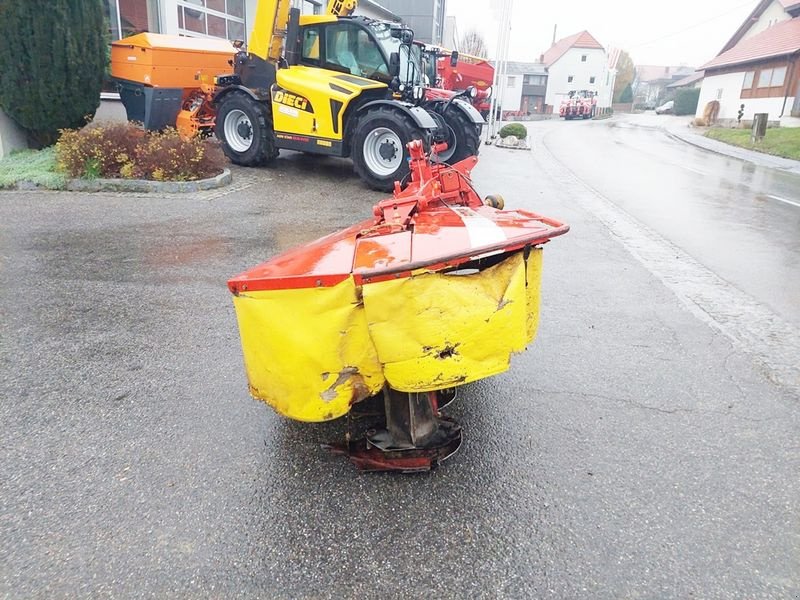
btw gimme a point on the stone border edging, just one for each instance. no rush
(761, 159)
(145, 185)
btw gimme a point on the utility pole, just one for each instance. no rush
(500, 70)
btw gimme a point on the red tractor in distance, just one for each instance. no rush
(580, 104)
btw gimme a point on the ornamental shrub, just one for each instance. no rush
(52, 59)
(123, 150)
(98, 150)
(518, 130)
(166, 156)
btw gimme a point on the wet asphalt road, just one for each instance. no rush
(637, 450)
(740, 220)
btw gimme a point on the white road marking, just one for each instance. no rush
(694, 170)
(779, 199)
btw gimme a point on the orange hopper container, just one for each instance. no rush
(156, 72)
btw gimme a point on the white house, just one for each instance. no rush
(524, 88)
(759, 68)
(577, 62)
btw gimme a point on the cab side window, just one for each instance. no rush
(311, 43)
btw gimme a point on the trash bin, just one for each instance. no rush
(759, 126)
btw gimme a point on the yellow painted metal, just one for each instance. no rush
(312, 353)
(307, 352)
(341, 8)
(316, 19)
(269, 29)
(433, 330)
(314, 117)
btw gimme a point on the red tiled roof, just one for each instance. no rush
(753, 17)
(583, 39)
(690, 79)
(778, 40)
(648, 73)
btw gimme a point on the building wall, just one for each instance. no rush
(775, 13)
(558, 86)
(512, 93)
(12, 136)
(425, 17)
(727, 89)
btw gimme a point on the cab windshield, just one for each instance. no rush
(410, 54)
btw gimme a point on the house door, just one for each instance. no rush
(796, 106)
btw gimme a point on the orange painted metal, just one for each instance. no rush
(436, 222)
(170, 61)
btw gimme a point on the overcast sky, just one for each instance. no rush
(654, 32)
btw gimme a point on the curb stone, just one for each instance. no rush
(758, 158)
(145, 185)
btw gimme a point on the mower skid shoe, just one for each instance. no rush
(377, 451)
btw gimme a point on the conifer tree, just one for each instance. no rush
(52, 60)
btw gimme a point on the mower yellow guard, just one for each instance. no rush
(311, 353)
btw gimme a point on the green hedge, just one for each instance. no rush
(686, 101)
(52, 59)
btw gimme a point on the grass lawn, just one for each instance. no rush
(784, 141)
(36, 166)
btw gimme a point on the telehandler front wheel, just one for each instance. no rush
(379, 151)
(464, 137)
(244, 129)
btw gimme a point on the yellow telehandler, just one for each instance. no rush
(332, 84)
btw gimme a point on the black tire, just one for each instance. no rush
(467, 136)
(250, 123)
(380, 121)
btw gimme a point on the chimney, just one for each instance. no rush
(555, 28)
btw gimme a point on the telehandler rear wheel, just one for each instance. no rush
(244, 128)
(379, 151)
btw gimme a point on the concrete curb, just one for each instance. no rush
(528, 148)
(145, 185)
(751, 156)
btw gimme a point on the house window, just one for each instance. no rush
(130, 18)
(212, 18)
(764, 83)
(720, 91)
(771, 77)
(591, 79)
(583, 58)
(778, 77)
(511, 81)
(311, 7)
(569, 79)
